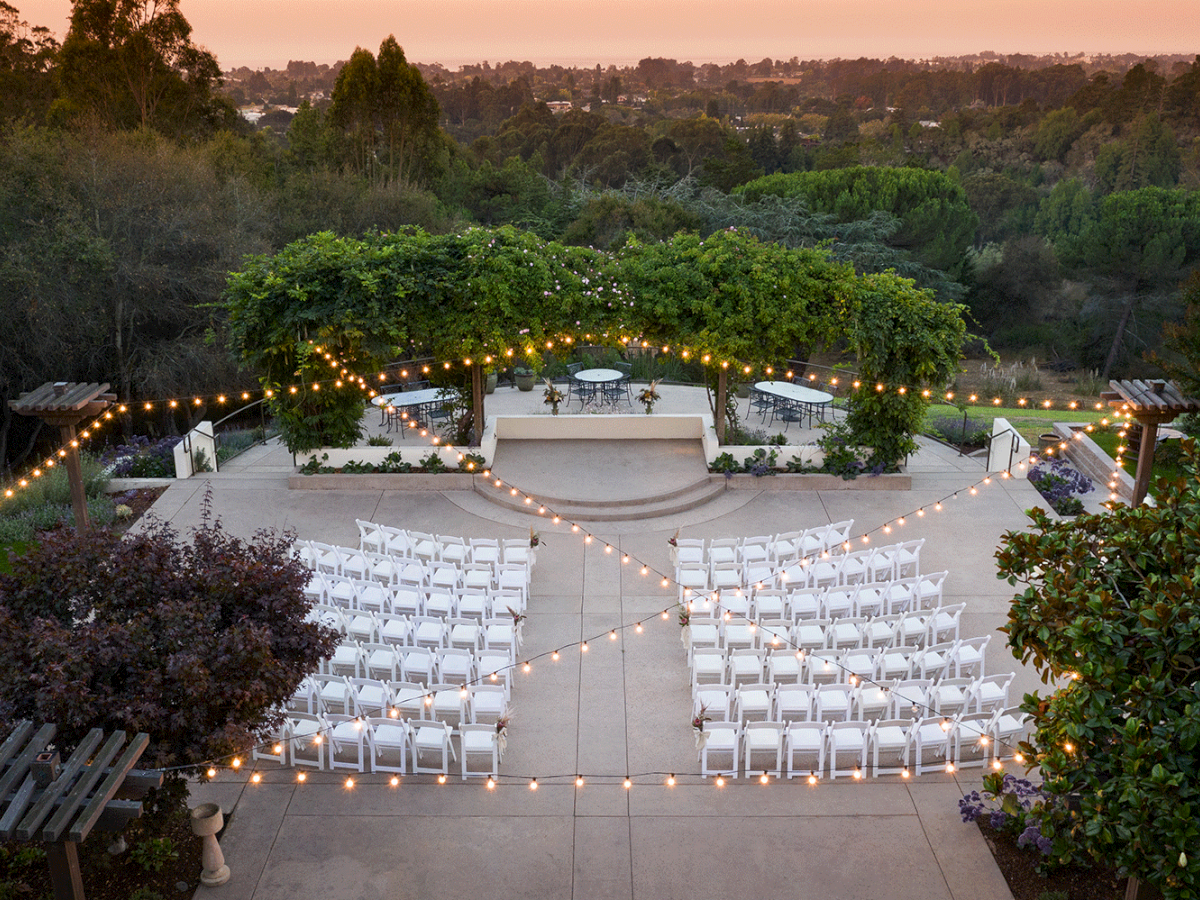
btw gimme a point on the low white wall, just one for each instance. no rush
(199, 440)
(338, 456)
(571, 428)
(1002, 451)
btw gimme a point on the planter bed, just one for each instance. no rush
(410, 481)
(817, 481)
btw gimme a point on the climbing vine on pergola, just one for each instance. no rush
(494, 297)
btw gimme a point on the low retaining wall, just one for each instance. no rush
(1086, 456)
(894, 481)
(413, 481)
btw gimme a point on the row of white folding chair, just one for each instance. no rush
(364, 626)
(776, 548)
(393, 662)
(864, 701)
(949, 659)
(386, 539)
(394, 566)
(858, 749)
(382, 744)
(912, 629)
(395, 570)
(415, 600)
(459, 701)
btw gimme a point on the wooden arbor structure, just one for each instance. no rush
(59, 803)
(1151, 403)
(66, 404)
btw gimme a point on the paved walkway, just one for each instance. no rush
(621, 708)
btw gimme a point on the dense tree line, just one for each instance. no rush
(129, 186)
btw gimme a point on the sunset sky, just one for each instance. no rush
(583, 32)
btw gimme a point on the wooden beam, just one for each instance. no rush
(1141, 481)
(86, 819)
(15, 740)
(66, 777)
(87, 782)
(20, 765)
(65, 877)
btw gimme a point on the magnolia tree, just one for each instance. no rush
(1111, 612)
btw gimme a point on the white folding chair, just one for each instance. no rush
(760, 738)
(306, 740)
(708, 665)
(943, 622)
(714, 701)
(806, 603)
(485, 551)
(370, 536)
(991, 693)
(388, 740)
(968, 656)
(430, 737)
(848, 748)
(369, 696)
(455, 665)
(721, 739)
(687, 551)
(756, 702)
(745, 665)
(466, 634)
(1008, 729)
(951, 696)
(871, 701)
(486, 703)
(408, 698)
(909, 699)
(332, 693)
(480, 741)
(494, 667)
(347, 740)
(347, 660)
(383, 661)
(453, 549)
(429, 631)
(516, 551)
(423, 546)
(692, 578)
(880, 631)
(784, 667)
(793, 702)
(834, 702)
(973, 739)
(806, 749)
(417, 664)
(890, 743)
(722, 551)
(931, 744)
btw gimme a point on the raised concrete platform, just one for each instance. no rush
(603, 480)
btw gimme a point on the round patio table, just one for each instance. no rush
(422, 401)
(593, 382)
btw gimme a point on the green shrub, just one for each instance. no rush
(379, 440)
(956, 430)
(153, 853)
(54, 488)
(433, 463)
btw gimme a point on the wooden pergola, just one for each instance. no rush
(66, 404)
(1151, 403)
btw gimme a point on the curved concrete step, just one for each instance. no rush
(645, 507)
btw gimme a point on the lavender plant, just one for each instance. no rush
(1059, 484)
(1008, 803)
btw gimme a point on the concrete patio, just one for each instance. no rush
(622, 708)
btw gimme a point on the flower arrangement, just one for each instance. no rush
(647, 395)
(685, 616)
(517, 617)
(700, 718)
(673, 540)
(535, 539)
(553, 396)
(502, 722)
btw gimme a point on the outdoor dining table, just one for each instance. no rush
(421, 402)
(794, 398)
(595, 381)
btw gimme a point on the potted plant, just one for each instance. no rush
(524, 378)
(553, 396)
(647, 395)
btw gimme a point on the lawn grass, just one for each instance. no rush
(1029, 423)
(17, 547)
(1108, 441)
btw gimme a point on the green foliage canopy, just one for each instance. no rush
(1110, 604)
